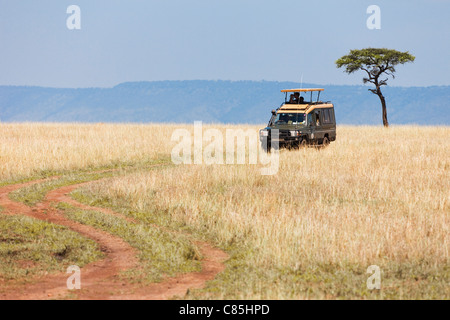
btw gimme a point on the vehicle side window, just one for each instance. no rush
(317, 117)
(326, 116)
(310, 119)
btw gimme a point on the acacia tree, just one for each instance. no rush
(375, 62)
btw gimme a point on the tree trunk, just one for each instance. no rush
(383, 106)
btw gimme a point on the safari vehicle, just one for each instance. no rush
(299, 122)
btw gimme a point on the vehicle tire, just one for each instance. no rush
(303, 143)
(292, 146)
(266, 146)
(325, 141)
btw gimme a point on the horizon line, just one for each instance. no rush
(214, 80)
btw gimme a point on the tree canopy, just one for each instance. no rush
(375, 62)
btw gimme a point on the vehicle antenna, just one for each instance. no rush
(301, 84)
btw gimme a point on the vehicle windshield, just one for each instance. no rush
(290, 118)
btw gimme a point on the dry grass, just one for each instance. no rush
(374, 197)
(28, 149)
(374, 193)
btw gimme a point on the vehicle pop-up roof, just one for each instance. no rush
(318, 90)
(304, 106)
(301, 90)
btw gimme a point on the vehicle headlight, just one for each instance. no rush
(293, 133)
(264, 133)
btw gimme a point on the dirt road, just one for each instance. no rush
(100, 279)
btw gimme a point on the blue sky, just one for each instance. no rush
(147, 40)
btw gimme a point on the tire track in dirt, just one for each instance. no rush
(119, 255)
(100, 279)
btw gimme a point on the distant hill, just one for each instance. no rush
(215, 101)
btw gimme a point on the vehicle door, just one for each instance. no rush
(318, 124)
(328, 125)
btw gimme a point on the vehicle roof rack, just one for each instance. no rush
(302, 90)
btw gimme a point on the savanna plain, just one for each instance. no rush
(375, 196)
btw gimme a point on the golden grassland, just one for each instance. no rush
(28, 149)
(374, 197)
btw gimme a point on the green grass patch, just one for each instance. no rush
(36, 193)
(158, 218)
(31, 247)
(160, 253)
(141, 164)
(245, 280)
